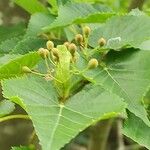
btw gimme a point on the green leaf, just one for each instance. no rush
(136, 12)
(4, 59)
(9, 32)
(13, 67)
(6, 107)
(31, 6)
(35, 26)
(56, 124)
(122, 31)
(144, 45)
(137, 130)
(54, 5)
(32, 40)
(28, 44)
(8, 45)
(22, 148)
(127, 74)
(80, 13)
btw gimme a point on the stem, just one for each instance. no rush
(120, 136)
(32, 137)
(51, 61)
(47, 66)
(133, 147)
(136, 4)
(37, 73)
(14, 117)
(100, 135)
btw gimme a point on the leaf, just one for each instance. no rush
(80, 13)
(53, 3)
(35, 26)
(31, 6)
(122, 31)
(137, 130)
(127, 74)
(22, 148)
(6, 107)
(9, 32)
(4, 59)
(8, 45)
(28, 44)
(13, 68)
(57, 124)
(144, 45)
(136, 12)
(32, 40)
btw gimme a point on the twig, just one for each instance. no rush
(133, 147)
(6, 118)
(136, 4)
(120, 136)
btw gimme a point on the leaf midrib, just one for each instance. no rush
(61, 106)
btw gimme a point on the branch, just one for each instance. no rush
(100, 133)
(136, 4)
(14, 117)
(119, 134)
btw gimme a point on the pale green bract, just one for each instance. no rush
(57, 124)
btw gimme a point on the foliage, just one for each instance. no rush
(6, 107)
(60, 86)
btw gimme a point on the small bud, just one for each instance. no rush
(72, 48)
(101, 42)
(43, 52)
(67, 44)
(55, 52)
(26, 69)
(79, 38)
(93, 63)
(87, 31)
(50, 45)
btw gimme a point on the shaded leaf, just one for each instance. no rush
(8, 45)
(6, 107)
(137, 130)
(9, 32)
(35, 25)
(28, 44)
